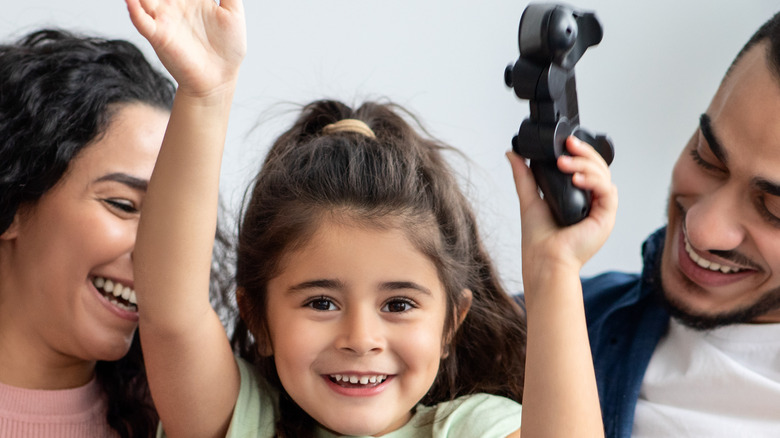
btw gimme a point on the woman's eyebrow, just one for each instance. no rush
(128, 180)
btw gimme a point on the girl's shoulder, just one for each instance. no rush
(256, 409)
(475, 415)
(481, 414)
(257, 405)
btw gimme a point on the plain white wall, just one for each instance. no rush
(644, 85)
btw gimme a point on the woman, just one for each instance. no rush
(81, 123)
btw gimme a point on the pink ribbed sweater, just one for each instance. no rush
(67, 413)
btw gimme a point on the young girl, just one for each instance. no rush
(372, 306)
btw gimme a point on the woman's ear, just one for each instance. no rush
(459, 314)
(262, 339)
(12, 231)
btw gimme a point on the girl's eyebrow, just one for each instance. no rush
(128, 180)
(397, 285)
(317, 284)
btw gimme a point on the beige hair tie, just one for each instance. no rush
(349, 125)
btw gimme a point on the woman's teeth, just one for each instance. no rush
(355, 379)
(118, 294)
(706, 264)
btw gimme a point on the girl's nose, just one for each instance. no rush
(361, 332)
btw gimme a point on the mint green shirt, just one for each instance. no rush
(471, 416)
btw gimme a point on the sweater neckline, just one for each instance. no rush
(72, 401)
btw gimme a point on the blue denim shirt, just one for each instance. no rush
(625, 322)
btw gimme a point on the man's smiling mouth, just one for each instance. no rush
(706, 264)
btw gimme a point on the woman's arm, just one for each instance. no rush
(190, 365)
(560, 396)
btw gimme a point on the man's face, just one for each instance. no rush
(721, 260)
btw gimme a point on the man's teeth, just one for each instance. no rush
(706, 264)
(354, 379)
(116, 289)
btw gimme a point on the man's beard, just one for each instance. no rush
(767, 302)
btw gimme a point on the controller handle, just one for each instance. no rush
(568, 203)
(552, 38)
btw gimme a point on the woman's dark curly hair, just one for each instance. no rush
(58, 93)
(397, 180)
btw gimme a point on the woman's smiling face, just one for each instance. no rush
(82, 231)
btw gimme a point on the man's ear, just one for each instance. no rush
(459, 314)
(259, 331)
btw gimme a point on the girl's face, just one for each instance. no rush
(81, 230)
(356, 321)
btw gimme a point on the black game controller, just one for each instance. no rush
(552, 39)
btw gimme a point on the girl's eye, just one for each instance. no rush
(398, 305)
(322, 304)
(122, 205)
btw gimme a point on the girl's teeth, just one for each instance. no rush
(363, 380)
(99, 282)
(118, 289)
(109, 286)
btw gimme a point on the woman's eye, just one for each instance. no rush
(398, 305)
(121, 204)
(322, 304)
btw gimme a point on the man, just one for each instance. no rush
(713, 368)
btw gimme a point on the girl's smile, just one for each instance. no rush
(358, 385)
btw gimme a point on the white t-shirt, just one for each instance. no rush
(718, 383)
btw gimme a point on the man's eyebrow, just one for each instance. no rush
(128, 180)
(705, 125)
(767, 186)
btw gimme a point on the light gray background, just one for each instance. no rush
(644, 85)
